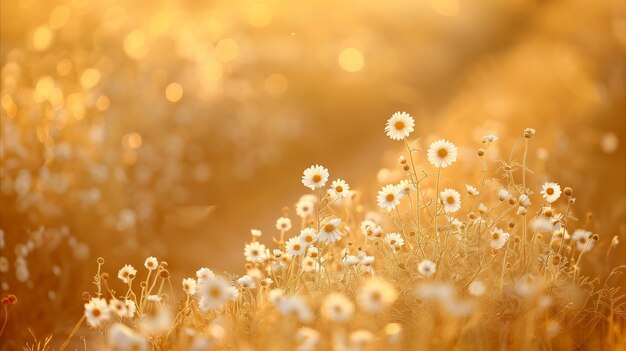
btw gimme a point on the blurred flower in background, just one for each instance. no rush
(166, 127)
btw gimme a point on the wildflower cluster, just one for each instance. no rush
(433, 266)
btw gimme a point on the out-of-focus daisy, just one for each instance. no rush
(529, 132)
(315, 177)
(97, 311)
(122, 337)
(337, 308)
(527, 285)
(376, 294)
(118, 307)
(405, 187)
(340, 188)
(190, 286)
(204, 273)
(304, 208)
(295, 247)
(307, 339)
(394, 240)
(294, 306)
(476, 288)
(367, 261)
(370, 229)
(471, 190)
(399, 126)
(583, 240)
(266, 282)
(127, 273)
(256, 233)
(313, 252)
(215, 292)
(551, 191)
(442, 153)
(255, 252)
(451, 200)
(389, 197)
(359, 339)
(151, 263)
(427, 268)
(283, 224)
(498, 238)
(330, 231)
(246, 282)
(308, 236)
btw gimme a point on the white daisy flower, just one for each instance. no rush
(527, 285)
(504, 195)
(489, 138)
(266, 282)
(315, 177)
(304, 208)
(583, 240)
(471, 190)
(246, 282)
(340, 188)
(389, 197)
(122, 337)
(427, 268)
(350, 260)
(399, 126)
(295, 246)
(476, 288)
(330, 231)
(256, 233)
(214, 292)
(442, 153)
(521, 210)
(283, 224)
(405, 187)
(370, 229)
(394, 240)
(377, 294)
(313, 252)
(451, 200)
(359, 339)
(308, 236)
(118, 307)
(337, 308)
(97, 311)
(498, 238)
(190, 286)
(367, 261)
(310, 264)
(127, 273)
(154, 298)
(131, 308)
(255, 252)
(551, 191)
(204, 273)
(529, 132)
(524, 200)
(151, 263)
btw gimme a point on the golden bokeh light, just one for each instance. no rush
(260, 15)
(174, 92)
(276, 84)
(59, 17)
(351, 59)
(42, 37)
(226, 50)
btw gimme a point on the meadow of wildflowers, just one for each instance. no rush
(495, 263)
(184, 175)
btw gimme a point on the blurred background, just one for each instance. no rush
(170, 128)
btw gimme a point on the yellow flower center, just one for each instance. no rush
(96, 312)
(317, 178)
(442, 153)
(399, 125)
(215, 292)
(390, 197)
(496, 236)
(549, 191)
(329, 228)
(296, 247)
(450, 200)
(339, 189)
